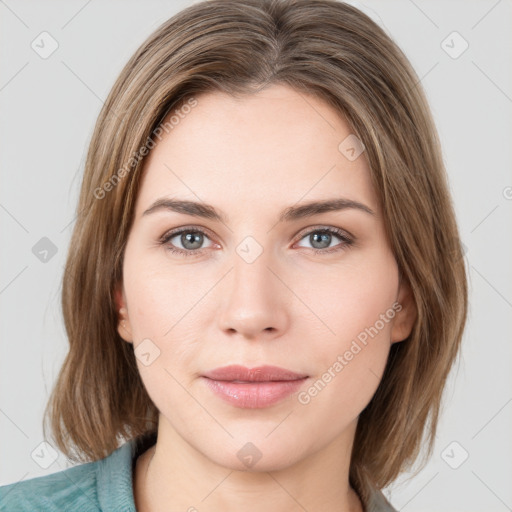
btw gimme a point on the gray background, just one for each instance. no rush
(48, 109)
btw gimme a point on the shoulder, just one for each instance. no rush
(378, 503)
(105, 484)
(71, 489)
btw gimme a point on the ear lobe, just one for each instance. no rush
(406, 317)
(123, 323)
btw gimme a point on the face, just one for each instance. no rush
(315, 292)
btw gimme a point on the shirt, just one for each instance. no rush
(104, 485)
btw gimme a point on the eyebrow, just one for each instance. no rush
(289, 214)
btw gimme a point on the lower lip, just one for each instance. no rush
(254, 395)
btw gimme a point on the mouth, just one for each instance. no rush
(265, 373)
(253, 388)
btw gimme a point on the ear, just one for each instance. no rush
(123, 320)
(405, 317)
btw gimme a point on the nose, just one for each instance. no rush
(254, 300)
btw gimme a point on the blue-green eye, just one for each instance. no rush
(321, 238)
(192, 240)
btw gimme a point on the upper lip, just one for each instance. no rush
(258, 374)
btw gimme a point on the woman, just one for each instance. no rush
(265, 289)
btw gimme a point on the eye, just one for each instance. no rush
(321, 238)
(190, 239)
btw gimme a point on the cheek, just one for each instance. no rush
(164, 304)
(357, 307)
(160, 298)
(351, 299)
(164, 325)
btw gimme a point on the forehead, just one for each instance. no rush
(271, 148)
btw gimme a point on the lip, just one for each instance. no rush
(253, 388)
(258, 374)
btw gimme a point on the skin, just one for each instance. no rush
(251, 158)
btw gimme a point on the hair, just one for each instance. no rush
(323, 48)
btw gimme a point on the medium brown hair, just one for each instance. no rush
(320, 47)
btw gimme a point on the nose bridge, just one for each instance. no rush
(251, 270)
(254, 301)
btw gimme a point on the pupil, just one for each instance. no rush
(325, 238)
(189, 237)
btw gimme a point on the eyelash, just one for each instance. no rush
(164, 240)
